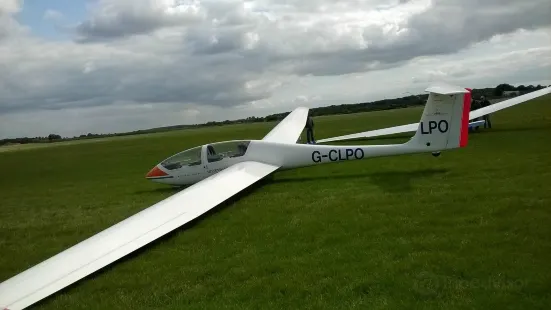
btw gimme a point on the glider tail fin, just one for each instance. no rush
(445, 120)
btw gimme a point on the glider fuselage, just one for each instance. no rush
(196, 164)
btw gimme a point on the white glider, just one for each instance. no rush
(219, 171)
(413, 127)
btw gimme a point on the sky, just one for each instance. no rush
(72, 67)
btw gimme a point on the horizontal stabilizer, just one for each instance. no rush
(446, 89)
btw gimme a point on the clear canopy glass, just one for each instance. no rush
(191, 157)
(222, 150)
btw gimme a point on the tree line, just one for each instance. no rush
(385, 104)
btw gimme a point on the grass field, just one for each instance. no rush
(467, 230)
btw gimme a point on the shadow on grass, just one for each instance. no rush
(401, 181)
(162, 189)
(390, 181)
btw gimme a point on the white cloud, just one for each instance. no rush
(136, 64)
(10, 6)
(113, 19)
(8, 25)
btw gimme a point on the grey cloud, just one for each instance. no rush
(127, 24)
(453, 25)
(205, 41)
(226, 13)
(445, 28)
(191, 67)
(4, 28)
(122, 18)
(317, 6)
(68, 85)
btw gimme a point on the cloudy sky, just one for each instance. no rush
(79, 66)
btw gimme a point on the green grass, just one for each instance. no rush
(467, 230)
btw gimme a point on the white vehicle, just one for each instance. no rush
(221, 170)
(472, 115)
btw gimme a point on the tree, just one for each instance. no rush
(498, 91)
(53, 137)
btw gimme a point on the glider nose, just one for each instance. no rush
(155, 173)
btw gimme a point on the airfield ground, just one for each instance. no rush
(469, 229)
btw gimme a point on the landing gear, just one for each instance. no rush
(435, 154)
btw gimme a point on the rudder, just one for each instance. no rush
(445, 120)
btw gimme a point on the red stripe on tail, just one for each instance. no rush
(463, 137)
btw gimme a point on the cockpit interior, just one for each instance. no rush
(208, 153)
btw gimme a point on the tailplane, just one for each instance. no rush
(445, 120)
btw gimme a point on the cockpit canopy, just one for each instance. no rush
(222, 150)
(207, 154)
(191, 157)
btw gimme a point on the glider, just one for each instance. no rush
(220, 170)
(473, 115)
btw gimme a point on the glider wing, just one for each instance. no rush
(129, 235)
(374, 133)
(509, 103)
(413, 127)
(290, 128)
